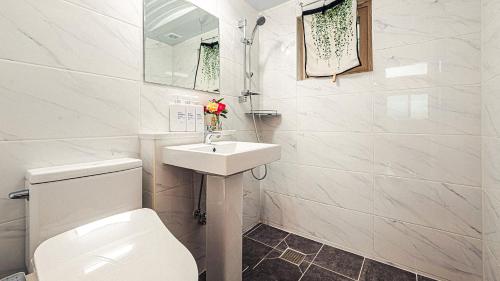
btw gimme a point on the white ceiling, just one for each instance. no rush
(262, 5)
(164, 17)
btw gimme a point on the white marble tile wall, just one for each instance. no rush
(170, 190)
(490, 138)
(71, 91)
(339, 226)
(38, 102)
(440, 253)
(453, 159)
(62, 34)
(385, 163)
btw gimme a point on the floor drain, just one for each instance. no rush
(293, 256)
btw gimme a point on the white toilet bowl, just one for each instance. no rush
(131, 246)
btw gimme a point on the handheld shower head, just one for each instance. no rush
(260, 22)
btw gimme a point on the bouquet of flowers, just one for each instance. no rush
(216, 109)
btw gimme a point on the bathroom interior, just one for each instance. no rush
(230, 140)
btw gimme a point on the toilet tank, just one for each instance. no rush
(64, 197)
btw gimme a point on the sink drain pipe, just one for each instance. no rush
(198, 214)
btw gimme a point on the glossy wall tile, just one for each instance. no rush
(400, 144)
(490, 141)
(127, 11)
(450, 207)
(94, 105)
(405, 22)
(352, 230)
(321, 149)
(454, 159)
(336, 113)
(453, 110)
(85, 41)
(451, 256)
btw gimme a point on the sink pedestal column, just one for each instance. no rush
(224, 227)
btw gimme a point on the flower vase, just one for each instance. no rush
(215, 123)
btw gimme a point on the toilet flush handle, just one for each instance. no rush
(20, 194)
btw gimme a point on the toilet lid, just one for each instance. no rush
(132, 246)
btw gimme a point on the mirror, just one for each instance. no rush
(181, 45)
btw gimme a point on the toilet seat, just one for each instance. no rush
(132, 246)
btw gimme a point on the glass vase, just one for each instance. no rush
(215, 123)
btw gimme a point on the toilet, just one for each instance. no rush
(85, 222)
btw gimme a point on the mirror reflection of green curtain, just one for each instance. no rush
(208, 70)
(330, 36)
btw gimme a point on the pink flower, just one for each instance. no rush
(221, 108)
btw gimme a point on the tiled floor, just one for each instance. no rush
(270, 254)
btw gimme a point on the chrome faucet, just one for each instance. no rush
(209, 135)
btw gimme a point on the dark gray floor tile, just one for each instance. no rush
(310, 258)
(316, 273)
(282, 246)
(304, 265)
(203, 276)
(268, 235)
(273, 270)
(263, 263)
(253, 252)
(274, 254)
(301, 244)
(251, 229)
(345, 263)
(423, 278)
(376, 271)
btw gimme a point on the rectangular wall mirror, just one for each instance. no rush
(181, 45)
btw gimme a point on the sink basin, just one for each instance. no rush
(221, 158)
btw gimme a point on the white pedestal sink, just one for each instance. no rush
(224, 164)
